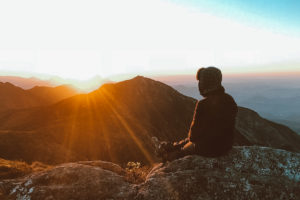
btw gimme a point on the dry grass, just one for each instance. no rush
(136, 173)
(14, 169)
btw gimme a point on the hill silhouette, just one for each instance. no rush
(25, 83)
(49, 95)
(13, 97)
(116, 122)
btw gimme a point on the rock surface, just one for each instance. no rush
(246, 173)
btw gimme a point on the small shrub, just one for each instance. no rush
(136, 173)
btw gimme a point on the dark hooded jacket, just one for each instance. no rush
(212, 128)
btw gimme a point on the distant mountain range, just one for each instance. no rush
(13, 97)
(26, 83)
(53, 81)
(276, 100)
(116, 123)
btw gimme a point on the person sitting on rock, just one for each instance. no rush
(212, 129)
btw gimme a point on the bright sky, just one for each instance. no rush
(81, 39)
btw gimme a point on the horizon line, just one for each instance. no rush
(45, 76)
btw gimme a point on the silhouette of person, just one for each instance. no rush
(211, 132)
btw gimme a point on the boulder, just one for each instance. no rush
(245, 173)
(70, 181)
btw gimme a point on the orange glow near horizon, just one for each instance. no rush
(265, 74)
(94, 83)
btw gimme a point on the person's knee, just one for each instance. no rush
(189, 148)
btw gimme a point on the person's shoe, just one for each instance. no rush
(164, 150)
(159, 147)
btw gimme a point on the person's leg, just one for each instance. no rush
(189, 149)
(171, 151)
(163, 148)
(181, 143)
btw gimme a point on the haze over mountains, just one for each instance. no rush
(276, 98)
(25, 83)
(52, 81)
(116, 123)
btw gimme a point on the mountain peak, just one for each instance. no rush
(138, 83)
(140, 80)
(140, 77)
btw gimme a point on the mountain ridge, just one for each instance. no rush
(25, 83)
(117, 118)
(14, 97)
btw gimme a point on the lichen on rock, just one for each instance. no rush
(245, 173)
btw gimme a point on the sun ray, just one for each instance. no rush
(70, 134)
(97, 129)
(109, 98)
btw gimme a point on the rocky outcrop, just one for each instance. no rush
(246, 173)
(71, 181)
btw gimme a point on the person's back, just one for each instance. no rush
(212, 129)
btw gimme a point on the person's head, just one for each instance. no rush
(209, 80)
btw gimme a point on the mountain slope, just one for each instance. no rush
(49, 95)
(14, 97)
(116, 118)
(116, 123)
(260, 131)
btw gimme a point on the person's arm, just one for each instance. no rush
(194, 131)
(181, 143)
